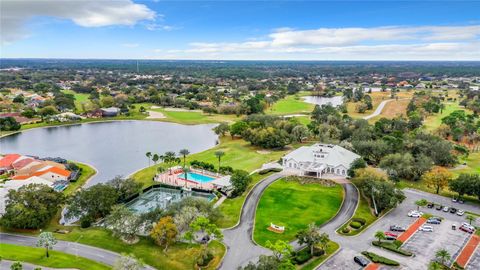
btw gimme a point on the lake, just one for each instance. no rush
(113, 148)
(317, 100)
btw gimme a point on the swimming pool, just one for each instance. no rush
(199, 178)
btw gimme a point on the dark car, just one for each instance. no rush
(433, 221)
(389, 237)
(397, 228)
(361, 260)
(453, 210)
(430, 205)
(439, 207)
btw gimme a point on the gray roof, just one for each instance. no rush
(334, 155)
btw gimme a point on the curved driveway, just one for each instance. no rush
(89, 252)
(240, 247)
(378, 110)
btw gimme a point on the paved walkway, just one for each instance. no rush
(93, 253)
(378, 110)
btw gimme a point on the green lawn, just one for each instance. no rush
(291, 105)
(79, 99)
(87, 172)
(312, 264)
(294, 205)
(194, 117)
(363, 211)
(473, 164)
(57, 259)
(239, 154)
(434, 121)
(231, 208)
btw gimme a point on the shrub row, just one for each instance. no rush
(203, 165)
(355, 225)
(360, 220)
(302, 256)
(395, 247)
(265, 171)
(380, 259)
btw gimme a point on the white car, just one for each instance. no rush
(445, 209)
(460, 212)
(426, 228)
(415, 214)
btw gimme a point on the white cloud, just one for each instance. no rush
(87, 13)
(378, 43)
(162, 27)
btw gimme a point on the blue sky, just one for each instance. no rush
(247, 30)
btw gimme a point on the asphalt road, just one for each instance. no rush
(93, 253)
(378, 110)
(240, 247)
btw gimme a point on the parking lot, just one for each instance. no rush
(425, 244)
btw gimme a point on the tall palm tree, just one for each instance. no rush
(185, 173)
(380, 236)
(470, 218)
(149, 155)
(170, 158)
(155, 158)
(219, 155)
(184, 153)
(443, 255)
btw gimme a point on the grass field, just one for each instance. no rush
(87, 172)
(312, 264)
(294, 205)
(57, 259)
(434, 121)
(230, 208)
(473, 164)
(79, 99)
(239, 154)
(363, 211)
(392, 109)
(377, 98)
(291, 105)
(194, 117)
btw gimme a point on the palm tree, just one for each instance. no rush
(219, 155)
(184, 153)
(149, 155)
(435, 266)
(443, 255)
(185, 173)
(155, 158)
(170, 158)
(380, 236)
(470, 218)
(323, 241)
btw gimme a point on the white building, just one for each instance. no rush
(319, 160)
(15, 185)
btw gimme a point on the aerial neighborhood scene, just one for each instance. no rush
(239, 135)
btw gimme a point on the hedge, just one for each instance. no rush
(392, 247)
(265, 171)
(380, 259)
(355, 224)
(360, 220)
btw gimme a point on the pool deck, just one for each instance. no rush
(173, 179)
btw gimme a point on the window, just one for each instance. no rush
(343, 172)
(338, 171)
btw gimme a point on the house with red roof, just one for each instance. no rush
(53, 174)
(6, 162)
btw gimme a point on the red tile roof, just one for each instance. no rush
(22, 163)
(7, 160)
(53, 170)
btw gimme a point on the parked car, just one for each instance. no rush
(433, 221)
(468, 229)
(397, 228)
(391, 234)
(437, 218)
(426, 228)
(361, 260)
(454, 199)
(453, 210)
(415, 213)
(460, 212)
(391, 238)
(445, 209)
(430, 205)
(439, 207)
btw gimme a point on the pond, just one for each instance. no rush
(160, 197)
(318, 100)
(113, 148)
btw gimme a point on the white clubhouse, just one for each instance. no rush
(319, 160)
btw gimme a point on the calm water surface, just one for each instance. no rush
(334, 101)
(113, 148)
